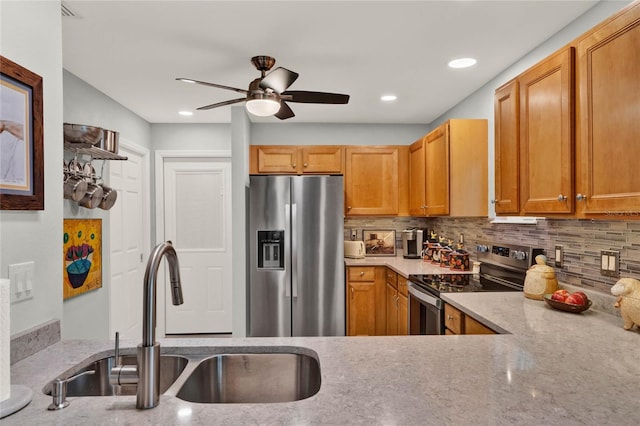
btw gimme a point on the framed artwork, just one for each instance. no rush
(379, 242)
(21, 138)
(82, 256)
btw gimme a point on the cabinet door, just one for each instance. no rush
(453, 319)
(361, 309)
(403, 320)
(609, 117)
(371, 181)
(417, 179)
(471, 326)
(546, 135)
(321, 159)
(392, 311)
(437, 171)
(277, 159)
(507, 152)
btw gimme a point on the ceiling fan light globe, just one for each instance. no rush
(262, 107)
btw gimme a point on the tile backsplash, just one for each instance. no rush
(582, 241)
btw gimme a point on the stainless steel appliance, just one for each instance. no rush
(296, 263)
(503, 268)
(412, 240)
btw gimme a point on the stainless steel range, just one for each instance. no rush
(503, 268)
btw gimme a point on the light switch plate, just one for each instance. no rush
(21, 278)
(559, 256)
(610, 263)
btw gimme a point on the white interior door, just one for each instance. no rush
(128, 240)
(197, 219)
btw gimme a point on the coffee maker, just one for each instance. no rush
(412, 240)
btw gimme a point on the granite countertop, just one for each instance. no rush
(554, 368)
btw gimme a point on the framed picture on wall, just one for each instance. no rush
(21, 138)
(379, 242)
(82, 256)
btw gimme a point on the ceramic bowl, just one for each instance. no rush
(567, 307)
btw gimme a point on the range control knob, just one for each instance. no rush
(519, 255)
(482, 248)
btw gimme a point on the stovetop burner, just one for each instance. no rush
(457, 283)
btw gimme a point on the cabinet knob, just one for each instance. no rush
(362, 273)
(348, 207)
(494, 201)
(450, 317)
(562, 198)
(581, 197)
(305, 165)
(293, 165)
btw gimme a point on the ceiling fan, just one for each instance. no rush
(268, 94)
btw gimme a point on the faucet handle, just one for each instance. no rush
(59, 391)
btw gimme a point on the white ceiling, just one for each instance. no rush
(133, 50)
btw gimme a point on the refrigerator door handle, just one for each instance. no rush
(287, 218)
(294, 250)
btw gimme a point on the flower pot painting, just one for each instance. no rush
(82, 256)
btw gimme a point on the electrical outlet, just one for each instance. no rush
(354, 234)
(559, 256)
(21, 278)
(609, 263)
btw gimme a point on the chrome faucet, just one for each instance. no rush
(147, 373)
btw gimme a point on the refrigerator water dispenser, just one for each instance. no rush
(271, 249)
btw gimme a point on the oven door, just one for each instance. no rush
(425, 312)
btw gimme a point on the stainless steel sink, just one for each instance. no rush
(252, 378)
(97, 384)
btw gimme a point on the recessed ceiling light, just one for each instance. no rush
(388, 98)
(462, 63)
(185, 113)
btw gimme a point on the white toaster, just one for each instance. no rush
(354, 249)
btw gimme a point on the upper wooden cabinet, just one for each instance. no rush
(417, 178)
(372, 180)
(290, 159)
(448, 170)
(608, 152)
(507, 149)
(585, 167)
(546, 135)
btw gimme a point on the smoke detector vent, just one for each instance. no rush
(67, 12)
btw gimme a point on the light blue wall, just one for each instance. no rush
(335, 134)
(87, 315)
(31, 36)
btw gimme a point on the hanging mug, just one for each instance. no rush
(109, 196)
(75, 187)
(93, 197)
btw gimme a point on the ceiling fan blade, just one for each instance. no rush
(219, 86)
(316, 97)
(284, 112)
(219, 104)
(278, 80)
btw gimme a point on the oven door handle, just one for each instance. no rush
(500, 281)
(423, 297)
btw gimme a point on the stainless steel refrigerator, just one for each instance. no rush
(296, 262)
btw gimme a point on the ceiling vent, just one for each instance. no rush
(67, 11)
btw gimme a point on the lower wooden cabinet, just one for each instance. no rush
(365, 300)
(376, 302)
(457, 322)
(396, 295)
